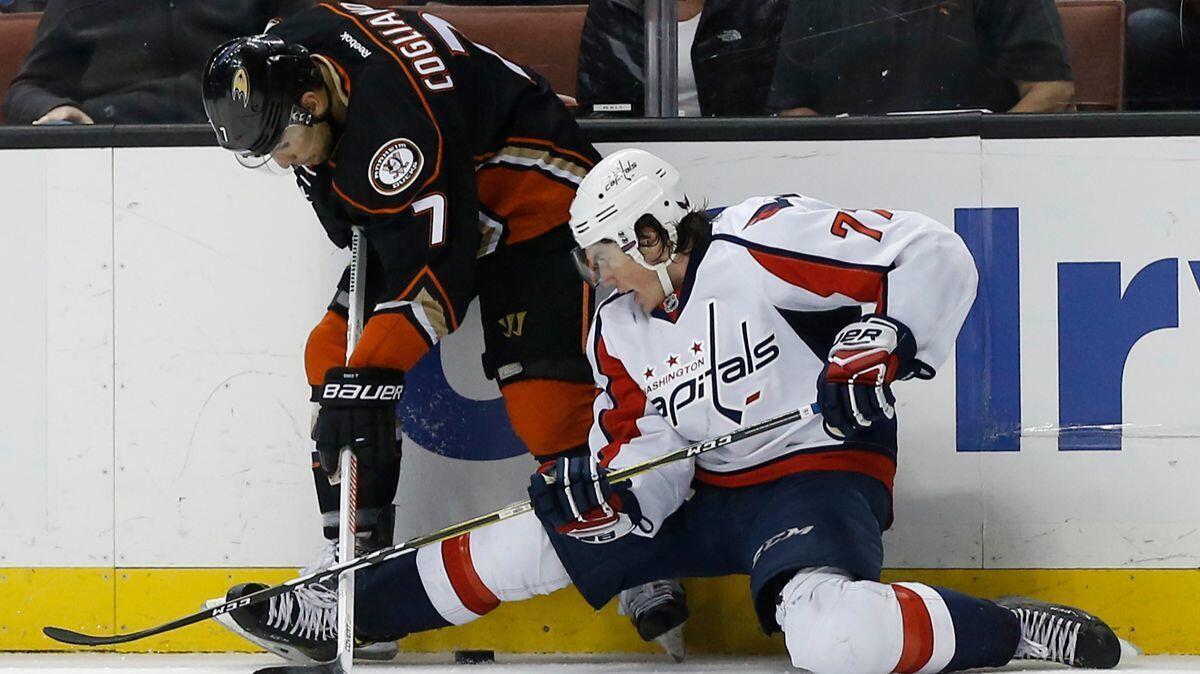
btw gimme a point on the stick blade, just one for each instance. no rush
(74, 638)
(322, 668)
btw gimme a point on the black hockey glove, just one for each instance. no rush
(580, 502)
(358, 409)
(854, 389)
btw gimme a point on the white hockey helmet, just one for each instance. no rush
(617, 192)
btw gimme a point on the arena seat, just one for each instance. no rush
(542, 37)
(16, 37)
(546, 38)
(1095, 31)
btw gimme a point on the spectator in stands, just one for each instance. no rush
(128, 61)
(1162, 54)
(727, 53)
(14, 6)
(491, 3)
(864, 58)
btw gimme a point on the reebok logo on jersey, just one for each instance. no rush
(355, 45)
(409, 43)
(395, 166)
(706, 375)
(779, 538)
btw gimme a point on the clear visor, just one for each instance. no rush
(299, 116)
(595, 263)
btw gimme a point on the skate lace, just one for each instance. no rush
(306, 612)
(309, 612)
(1045, 636)
(327, 559)
(636, 601)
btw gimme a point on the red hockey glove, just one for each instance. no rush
(854, 389)
(580, 501)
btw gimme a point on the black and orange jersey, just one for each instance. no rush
(448, 151)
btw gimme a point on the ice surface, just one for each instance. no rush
(88, 663)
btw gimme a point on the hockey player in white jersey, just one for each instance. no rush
(719, 321)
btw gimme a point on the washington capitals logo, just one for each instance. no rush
(706, 376)
(767, 210)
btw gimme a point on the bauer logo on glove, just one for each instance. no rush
(360, 386)
(854, 389)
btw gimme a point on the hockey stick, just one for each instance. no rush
(348, 465)
(384, 554)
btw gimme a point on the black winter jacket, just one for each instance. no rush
(733, 56)
(130, 61)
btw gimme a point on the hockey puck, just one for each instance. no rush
(473, 657)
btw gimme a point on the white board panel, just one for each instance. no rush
(1121, 200)
(56, 267)
(219, 280)
(219, 273)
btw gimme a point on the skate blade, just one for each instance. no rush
(1128, 649)
(672, 642)
(285, 652)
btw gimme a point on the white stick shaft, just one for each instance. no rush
(348, 464)
(358, 279)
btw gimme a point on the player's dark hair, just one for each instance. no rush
(694, 231)
(692, 234)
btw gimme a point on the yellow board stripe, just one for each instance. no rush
(1143, 605)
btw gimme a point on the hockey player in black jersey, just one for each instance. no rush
(460, 166)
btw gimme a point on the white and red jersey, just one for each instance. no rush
(757, 313)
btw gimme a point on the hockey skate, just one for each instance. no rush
(1063, 634)
(301, 625)
(658, 610)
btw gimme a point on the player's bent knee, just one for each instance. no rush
(517, 560)
(549, 415)
(835, 625)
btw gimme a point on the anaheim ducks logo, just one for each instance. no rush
(241, 87)
(395, 166)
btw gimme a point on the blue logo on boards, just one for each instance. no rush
(441, 420)
(1097, 328)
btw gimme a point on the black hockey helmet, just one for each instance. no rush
(252, 88)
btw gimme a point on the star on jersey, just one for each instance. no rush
(672, 360)
(707, 376)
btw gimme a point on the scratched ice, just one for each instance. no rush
(92, 663)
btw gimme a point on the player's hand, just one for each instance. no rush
(575, 497)
(358, 409)
(854, 389)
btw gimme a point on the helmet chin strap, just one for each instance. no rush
(664, 280)
(670, 301)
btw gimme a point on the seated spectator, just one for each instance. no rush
(128, 61)
(867, 58)
(727, 52)
(1162, 54)
(15, 6)
(489, 3)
